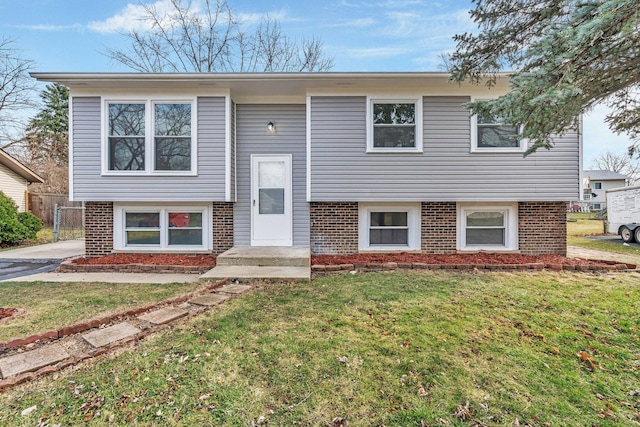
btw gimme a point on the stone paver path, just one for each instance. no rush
(24, 366)
(106, 336)
(164, 315)
(32, 360)
(210, 299)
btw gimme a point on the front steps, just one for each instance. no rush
(264, 262)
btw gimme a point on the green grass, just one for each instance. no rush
(50, 306)
(394, 349)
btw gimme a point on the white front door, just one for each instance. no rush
(271, 216)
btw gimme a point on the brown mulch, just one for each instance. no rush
(150, 259)
(472, 258)
(7, 312)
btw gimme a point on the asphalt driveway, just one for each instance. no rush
(613, 238)
(37, 259)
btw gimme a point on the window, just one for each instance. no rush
(150, 137)
(596, 185)
(492, 134)
(482, 227)
(394, 125)
(150, 228)
(389, 227)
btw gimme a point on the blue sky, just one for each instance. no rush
(361, 35)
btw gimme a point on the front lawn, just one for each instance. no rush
(397, 349)
(50, 306)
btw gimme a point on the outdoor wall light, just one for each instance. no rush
(271, 127)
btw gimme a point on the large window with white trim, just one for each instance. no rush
(166, 228)
(150, 136)
(394, 125)
(487, 227)
(389, 227)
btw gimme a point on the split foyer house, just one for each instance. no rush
(335, 162)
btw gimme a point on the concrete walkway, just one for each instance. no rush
(59, 250)
(155, 278)
(18, 366)
(579, 252)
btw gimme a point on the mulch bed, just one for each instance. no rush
(7, 312)
(473, 258)
(141, 263)
(150, 259)
(173, 263)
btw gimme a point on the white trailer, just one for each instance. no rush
(623, 212)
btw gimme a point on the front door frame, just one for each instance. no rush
(285, 232)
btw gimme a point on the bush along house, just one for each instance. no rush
(335, 162)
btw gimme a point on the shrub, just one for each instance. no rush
(12, 230)
(32, 222)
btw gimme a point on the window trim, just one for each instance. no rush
(473, 119)
(418, 119)
(413, 211)
(120, 229)
(510, 211)
(149, 137)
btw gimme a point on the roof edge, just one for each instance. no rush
(12, 163)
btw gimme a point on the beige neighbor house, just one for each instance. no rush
(596, 184)
(15, 179)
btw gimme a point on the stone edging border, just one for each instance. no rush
(95, 323)
(68, 266)
(389, 266)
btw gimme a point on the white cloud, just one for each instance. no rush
(51, 28)
(377, 52)
(131, 18)
(354, 23)
(255, 18)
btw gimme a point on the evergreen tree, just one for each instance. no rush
(567, 55)
(48, 132)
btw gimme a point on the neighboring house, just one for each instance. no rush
(15, 179)
(336, 162)
(595, 186)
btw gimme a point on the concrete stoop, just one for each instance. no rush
(272, 263)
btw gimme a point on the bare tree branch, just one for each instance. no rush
(209, 39)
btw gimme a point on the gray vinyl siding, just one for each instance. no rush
(341, 170)
(289, 138)
(90, 185)
(232, 166)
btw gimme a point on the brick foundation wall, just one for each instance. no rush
(222, 227)
(438, 230)
(334, 227)
(542, 228)
(98, 228)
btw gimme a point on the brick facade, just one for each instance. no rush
(438, 231)
(222, 227)
(334, 227)
(98, 228)
(542, 228)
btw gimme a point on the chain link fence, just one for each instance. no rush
(68, 222)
